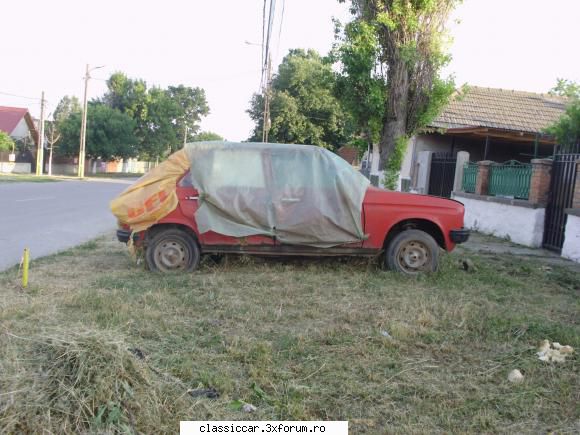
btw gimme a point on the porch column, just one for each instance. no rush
(482, 180)
(485, 151)
(540, 181)
(462, 159)
(423, 171)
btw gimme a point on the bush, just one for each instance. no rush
(6, 142)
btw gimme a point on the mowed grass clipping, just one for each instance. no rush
(97, 344)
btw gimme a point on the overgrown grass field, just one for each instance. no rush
(98, 344)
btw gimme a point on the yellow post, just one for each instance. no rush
(25, 261)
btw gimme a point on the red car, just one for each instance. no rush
(306, 194)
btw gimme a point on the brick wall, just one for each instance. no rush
(540, 181)
(482, 180)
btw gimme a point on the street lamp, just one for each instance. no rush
(81, 171)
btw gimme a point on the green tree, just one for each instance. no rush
(411, 42)
(6, 142)
(191, 106)
(127, 95)
(303, 107)
(359, 86)
(567, 128)
(110, 133)
(206, 136)
(65, 107)
(566, 88)
(164, 118)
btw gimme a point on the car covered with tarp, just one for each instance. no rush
(277, 199)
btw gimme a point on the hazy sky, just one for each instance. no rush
(512, 44)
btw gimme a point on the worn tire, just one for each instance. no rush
(412, 252)
(172, 250)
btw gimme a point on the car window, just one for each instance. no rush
(290, 172)
(238, 168)
(185, 180)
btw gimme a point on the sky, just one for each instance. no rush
(511, 44)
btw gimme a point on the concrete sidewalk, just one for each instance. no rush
(489, 245)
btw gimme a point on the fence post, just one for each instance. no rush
(540, 182)
(482, 180)
(423, 171)
(462, 159)
(576, 198)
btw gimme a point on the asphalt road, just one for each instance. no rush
(49, 217)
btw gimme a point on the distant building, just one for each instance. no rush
(350, 154)
(17, 122)
(19, 125)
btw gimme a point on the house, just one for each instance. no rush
(19, 125)
(490, 124)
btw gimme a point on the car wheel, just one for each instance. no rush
(412, 252)
(172, 251)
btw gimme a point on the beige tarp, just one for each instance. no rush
(300, 194)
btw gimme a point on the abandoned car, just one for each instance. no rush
(279, 199)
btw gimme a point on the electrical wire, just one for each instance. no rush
(263, 30)
(280, 30)
(20, 96)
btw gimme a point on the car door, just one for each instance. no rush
(226, 174)
(187, 196)
(303, 210)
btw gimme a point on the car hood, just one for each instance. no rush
(375, 195)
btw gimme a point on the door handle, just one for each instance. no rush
(192, 197)
(290, 199)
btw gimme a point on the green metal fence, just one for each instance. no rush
(510, 179)
(469, 177)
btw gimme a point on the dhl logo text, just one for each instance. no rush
(150, 204)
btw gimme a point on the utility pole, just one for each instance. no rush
(267, 121)
(40, 149)
(81, 169)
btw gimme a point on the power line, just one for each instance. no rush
(20, 96)
(263, 36)
(280, 30)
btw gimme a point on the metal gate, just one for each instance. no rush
(442, 174)
(561, 197)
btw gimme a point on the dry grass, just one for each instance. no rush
(300, 339)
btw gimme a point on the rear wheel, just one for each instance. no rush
(412, 252)
(172, 250)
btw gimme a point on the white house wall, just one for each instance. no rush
(436, 143)
(571, 248)
(21, 130)
(522, 225)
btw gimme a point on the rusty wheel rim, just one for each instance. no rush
(171, 255)
(414, 257)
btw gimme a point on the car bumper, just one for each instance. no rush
(459, 236)
(123, 236)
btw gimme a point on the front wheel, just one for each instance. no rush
(412, 252)
(172, 250)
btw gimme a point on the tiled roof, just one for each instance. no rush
(501, 109)
(10, 117)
